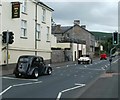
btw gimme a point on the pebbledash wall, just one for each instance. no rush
(24, 30)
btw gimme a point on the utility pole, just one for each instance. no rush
(7, 40)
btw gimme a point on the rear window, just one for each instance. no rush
(85, 56)
(24, 59)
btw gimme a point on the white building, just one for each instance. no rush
(34, 24)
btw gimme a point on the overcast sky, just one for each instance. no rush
(96, 15)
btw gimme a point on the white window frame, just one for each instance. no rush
(38, 32)
(44, 15)
(24, 6)
(23, 28)
(48, 33)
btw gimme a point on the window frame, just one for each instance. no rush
(23, 28)
(38, 32)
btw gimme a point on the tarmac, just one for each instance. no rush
(106, 87)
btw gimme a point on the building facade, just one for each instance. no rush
(76, 34)
(32, 29)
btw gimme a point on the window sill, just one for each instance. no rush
(23, 37)
(48, 41)
(38, 40)
(24, 13)
(43, 22)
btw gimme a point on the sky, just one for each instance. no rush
(97, 15)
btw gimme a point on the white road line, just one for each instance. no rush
(23, 84)
(67, 65)
(115, 61)
(12, 78)
(106, 66)
(66, 90)
(102, 68)
(85, 66)
(57, 67)
(90, 69)
(5, 90)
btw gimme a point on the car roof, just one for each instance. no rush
(31, 56)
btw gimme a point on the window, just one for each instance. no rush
(44, 15)
(48, 34)
(24, 6)
(38, 32)
(23, 28)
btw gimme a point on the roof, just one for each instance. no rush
(64, 29)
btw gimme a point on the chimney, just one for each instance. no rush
(58, 28)
(83, 26)
(77, 22)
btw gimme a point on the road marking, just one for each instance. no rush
(115, 61)
(75, 64)
(102, 68)
(90, 69)
(69, 89)
(23, 84)
(67, 65)
(57, 67)
(106, 66)
(5, 90)
(85, 66)
(12, 78)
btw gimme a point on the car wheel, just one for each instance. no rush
(35, 73)
(78, 62)
(17, 75)
(49, 71)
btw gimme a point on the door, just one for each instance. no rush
(79, 53)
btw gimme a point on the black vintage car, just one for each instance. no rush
(31, 66)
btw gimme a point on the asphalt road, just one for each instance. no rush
(69, 81)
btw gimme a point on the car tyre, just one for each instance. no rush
(49, 71)
(17, 75)
(35, 73)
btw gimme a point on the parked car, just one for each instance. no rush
(85, 59)
(31, 66)
(103, 56)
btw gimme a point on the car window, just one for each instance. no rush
(23, 59)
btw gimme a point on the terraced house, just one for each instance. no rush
(30, 21)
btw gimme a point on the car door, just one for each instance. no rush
(42, 65)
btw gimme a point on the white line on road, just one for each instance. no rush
(5, 90)
(12, 78)
(85, 66)
(106, 66)
(66, 90)
(102, 68)
(57, 67)
(90, 69)
(23, 84)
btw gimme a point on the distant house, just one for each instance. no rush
(75, 34)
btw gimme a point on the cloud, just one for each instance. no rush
(95, 15)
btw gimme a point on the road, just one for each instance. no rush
(69, 81)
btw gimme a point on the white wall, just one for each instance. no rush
(74, 50)
(26, 46)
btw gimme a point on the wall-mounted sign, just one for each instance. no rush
(15, 9)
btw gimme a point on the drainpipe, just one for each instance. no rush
(36, 28)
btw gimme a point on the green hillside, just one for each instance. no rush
(102, 35)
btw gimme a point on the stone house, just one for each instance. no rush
(76, 34)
